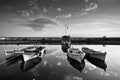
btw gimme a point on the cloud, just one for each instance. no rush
(23, 12)
(97, 26)
(34, 7)
(41, 23)
(44, 10)
(91, 6)
(64, 16)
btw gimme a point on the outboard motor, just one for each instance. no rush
(65, 43)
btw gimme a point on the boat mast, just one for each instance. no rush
(66, 27)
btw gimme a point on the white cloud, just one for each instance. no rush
(91, 6)
(44, 10)
(68, 16)
(40, 23)
(64, 16)
(84, 13)
(24, 13)
(97, 27)
(34, 6)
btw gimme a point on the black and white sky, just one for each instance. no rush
(49, 17)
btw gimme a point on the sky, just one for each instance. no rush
(46, 18)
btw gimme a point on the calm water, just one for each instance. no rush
(55, 66)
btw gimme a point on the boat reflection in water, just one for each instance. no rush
(12, 61)
(76, 58)
(27, 65)
(28, 57)
(76, 64)
(97, 58)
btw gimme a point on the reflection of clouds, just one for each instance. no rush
(45, 63)
(101, 73)
(33, 79)
(116, 75)
(114, 51)
(85, 71)
(72, 77)
(55, 73)
(107, 74)
(90, 66)
(59, 63)
(61, 57)
(54, 52)
(35, 71)
(110, 73)
(104, 73)
(51, 65)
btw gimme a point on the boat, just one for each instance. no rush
(33, 52)
(76, 58)
(76, 54)
(95, 57)
(27, 57)
(12, 53)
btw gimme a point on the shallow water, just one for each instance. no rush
(55, 66)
